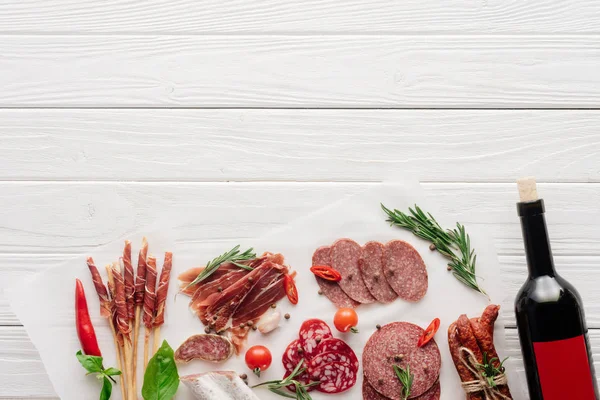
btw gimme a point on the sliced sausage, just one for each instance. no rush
(405, 270)
(204, 347)
(371, 270)
(345, 254)
(331, 290)
(312, 332)
(335, 377)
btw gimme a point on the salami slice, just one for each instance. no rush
(335, 377)
(331, 356)
(312, 332)
(345, 254)
(215, 348)
(369, 393)
(331, 290)
(292, 355)
(405, 270)
(303, 378)
(335, 345)
(371, 270)
(396, 344)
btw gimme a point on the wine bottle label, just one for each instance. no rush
(564, 369)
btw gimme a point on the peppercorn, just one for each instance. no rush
(286, 316)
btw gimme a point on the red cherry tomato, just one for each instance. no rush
(258, 358)
(345, 320)
(429, 332)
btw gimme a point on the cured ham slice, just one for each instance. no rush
(120, 302)
(140, 279)
(129, 281)
(222, 385)
(224, 305)
(163, 289)
(150, 292)
(199, 304)
(105, 306)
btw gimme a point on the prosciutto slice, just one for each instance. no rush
(140, 279)
(120, 302)
(129, 281)
(163, 289)
(105, 306)
(150, 292)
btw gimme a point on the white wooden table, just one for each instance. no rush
(113, 111)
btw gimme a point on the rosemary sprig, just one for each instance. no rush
(489, 371)
(233, 256)
(406, 379)
(454, 244)
(278, 386)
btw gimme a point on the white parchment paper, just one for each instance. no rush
(45, 304)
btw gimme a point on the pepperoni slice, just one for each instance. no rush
(292, 355)
(334, 377)
(312, 332)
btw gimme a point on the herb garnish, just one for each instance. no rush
(93, 365)
(406, 379)
(278, 386)
(232, 256)
(489, 371)
(454, 244)
(161, 378)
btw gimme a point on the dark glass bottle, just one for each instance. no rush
(551, 321)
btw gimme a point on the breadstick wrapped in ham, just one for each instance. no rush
(121, 302)
(105, 306)
(163, 289)
(150, 292)
(129, 281)
(140, 279)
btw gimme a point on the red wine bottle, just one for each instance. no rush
(550, 319)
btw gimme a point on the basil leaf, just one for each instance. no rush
(90, 363)
(161, 379)
(112, 371)
(106, 389)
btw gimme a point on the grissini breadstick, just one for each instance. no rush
(140, 288)
(123, 324)
(119, 340)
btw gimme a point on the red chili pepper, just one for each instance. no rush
(85, 329)
(326, 272)
(429, 332)
(290, 289)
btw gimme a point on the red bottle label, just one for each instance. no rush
(564, 369)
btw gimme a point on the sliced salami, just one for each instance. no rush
(206, 347)
(405, 270)
(371, 270)
(369, 393)
(331, 356)
(292, 355)
(335, 345)
(303, 378)
(331, 290)
(335, 377)
(345, 254)
(396, 344)
(312, 332)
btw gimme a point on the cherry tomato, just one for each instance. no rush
(290, 289)
(258, 358)
(345, 320)
(429, 332)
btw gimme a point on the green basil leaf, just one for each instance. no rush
(106, 389)
(112, 371)
(161, 379)
(90, 363)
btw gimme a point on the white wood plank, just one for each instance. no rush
(313, 16)
(22, 372)
(583, 272)
(71, 217)
(504, 71)
(317, 145)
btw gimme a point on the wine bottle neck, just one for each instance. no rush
(535, 236)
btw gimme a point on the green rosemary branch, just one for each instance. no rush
(489, 371)
(232, 256)
(406, 379)
(278, 386)
(453, 244)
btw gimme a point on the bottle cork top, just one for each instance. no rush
(527, 189)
